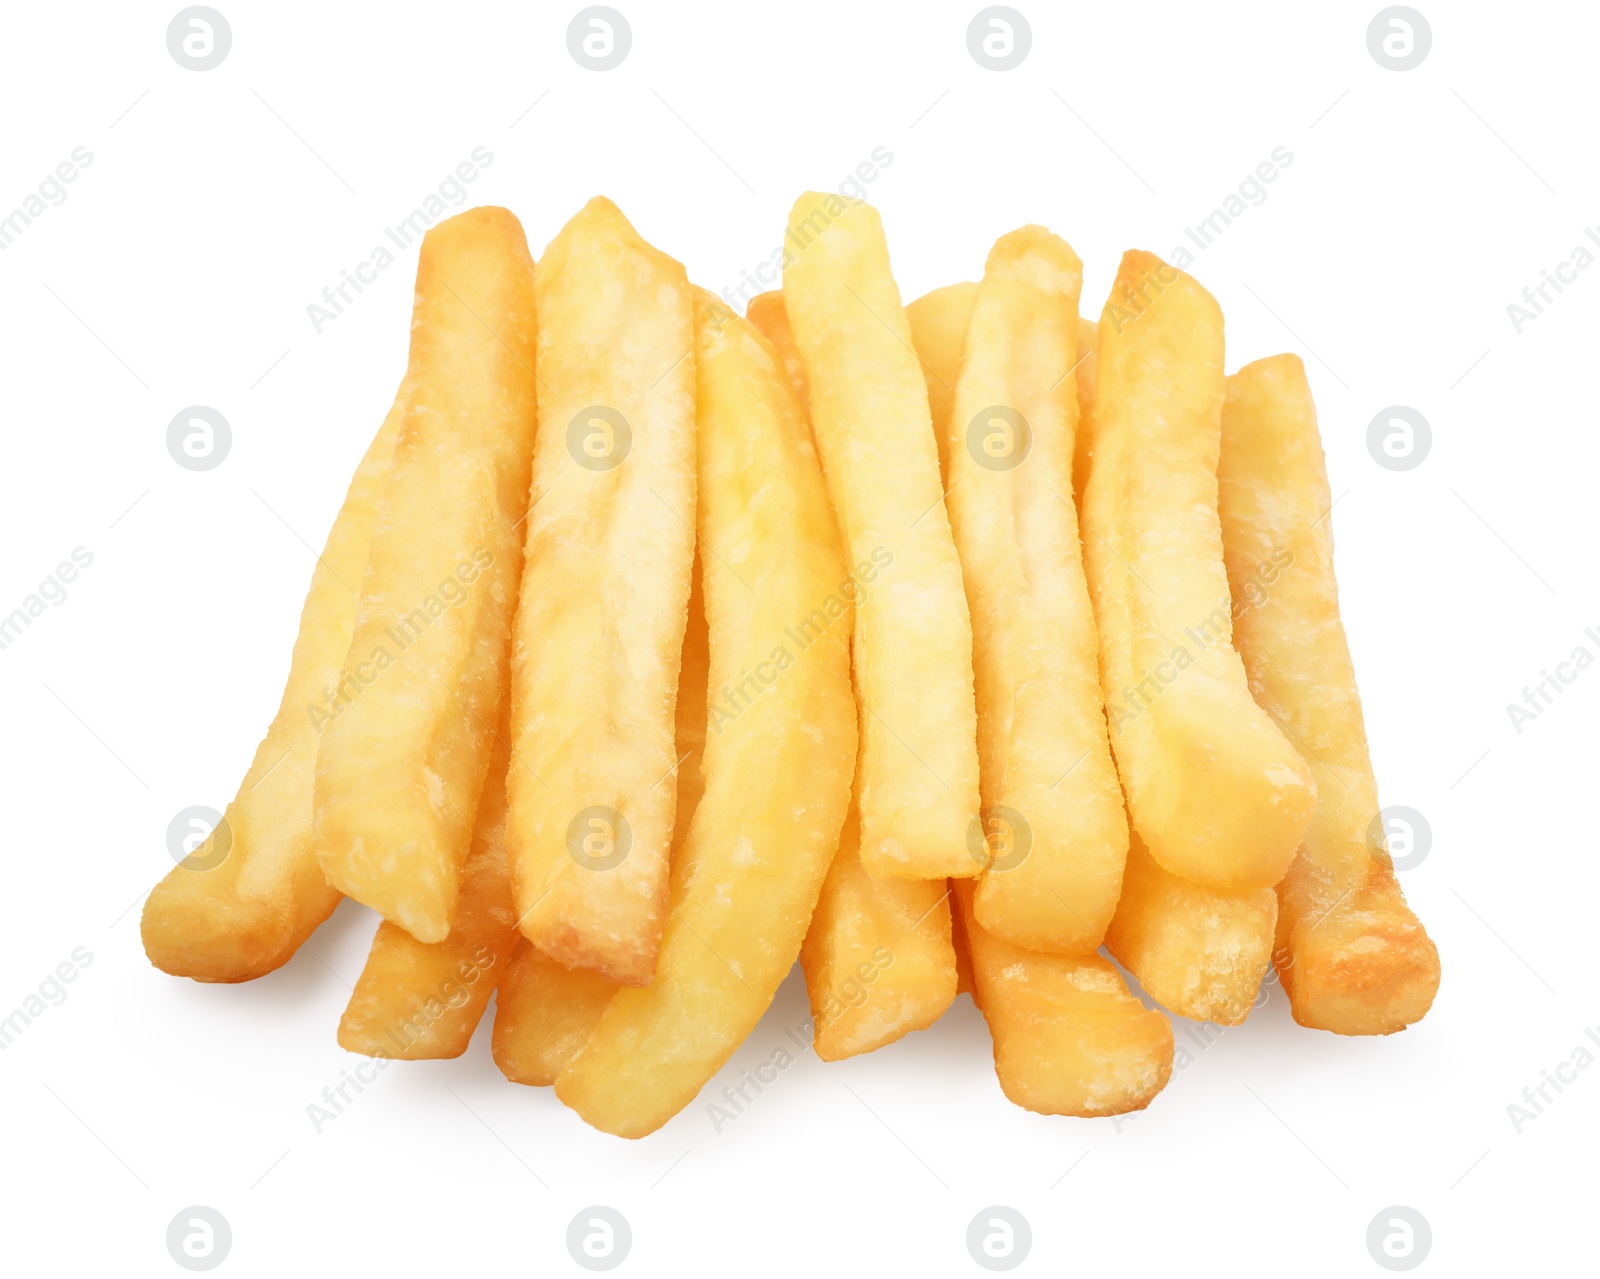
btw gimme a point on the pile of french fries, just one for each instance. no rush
(941, 647)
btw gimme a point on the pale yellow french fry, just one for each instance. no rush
(864, 927)
(878, 957)
(918, 791)
(766, 312)
(1215, 790)
(1069, 1037)
(939, 331)
(780, 746)
(1196, 951)
(405, 753)
(241, 903)
(599, 636)
(1351, 953)
(545, 1011)
(1050, 790)
(416, 1000)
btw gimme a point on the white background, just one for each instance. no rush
(178, 271)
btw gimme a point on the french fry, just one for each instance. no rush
(780, 746)
(1049, 786)
(418, 1000)
(879, 959)
(1352, 955)
(1196, 951)
(766, 312)
(1215, 790)
(918, 791)
(241, 904)
(545, 1011)
(938, 323)
(864, 927)
(406, 746)
(1069, 1037)
(599, 637)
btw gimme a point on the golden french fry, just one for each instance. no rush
(864, 926)
(240, 904)
(918, 789)
(878, 957)
(1215, 790)
(780, 746)
(1196, 951)
(417, 1000)
(938, 323)
(546, 1011)
(766, 312)
(1050, 790)
(406, 746)
(1351, 953)
(600, 633)
(1069, 1037)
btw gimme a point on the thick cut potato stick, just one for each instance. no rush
(879, 959)
(1351, 953)
(766, 312)
(546, 1011)
(417, 1000)
(241, 903)
(878, 953)
(939, 332)
(1069, 1037)
(600, 635)
(1049, 786)
(780, 746)
(1196, 951)
(403, 760)
(918, 790)
(1215, 790)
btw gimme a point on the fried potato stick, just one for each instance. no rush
(419, 1000)
(241, 904)
(1215, 790)
(879, 958)
(878, 955)
(918, 792)
(1069, 1037)
(404, 756)
(545, 1011)
(766, 312)
(1086, 374)
(1196, 951)
(1049, 786)
(599, 637)
(939, 332)
(780, 746)
(1351, 953)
